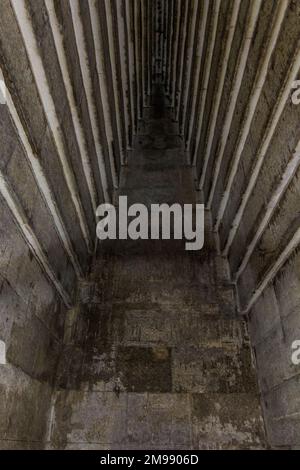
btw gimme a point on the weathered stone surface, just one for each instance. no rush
(31, 325)
(157, 357)
(82, 417)
(145, 369)
(24, 407)
(154, 354)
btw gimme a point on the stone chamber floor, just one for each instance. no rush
(155, 355)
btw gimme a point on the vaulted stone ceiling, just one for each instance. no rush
(79, 75)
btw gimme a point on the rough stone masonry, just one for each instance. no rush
(141, 344)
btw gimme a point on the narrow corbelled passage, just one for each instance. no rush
(157, 357)
(162, 101)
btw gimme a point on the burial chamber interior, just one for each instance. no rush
(128, 344)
